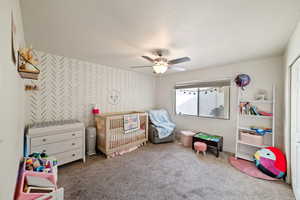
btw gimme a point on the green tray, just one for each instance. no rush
(205, 136)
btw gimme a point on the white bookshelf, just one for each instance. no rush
(256, 116)
(253, 145)
(256, 101)
(245, 156)
(253, 119)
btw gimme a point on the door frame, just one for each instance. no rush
(294, 144)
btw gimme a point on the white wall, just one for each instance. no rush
(11, 101)
(68, 87)
(293, 48)
(264, 73)
(292, 52)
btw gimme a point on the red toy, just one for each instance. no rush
(96, 110)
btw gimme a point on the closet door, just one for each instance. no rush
(295, 127)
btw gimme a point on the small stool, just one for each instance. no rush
(200, 146)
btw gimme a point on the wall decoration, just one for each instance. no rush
(30, 87)
(114, 97)
(14, 46)
(242, 80)
(27, 64)
(68, 87)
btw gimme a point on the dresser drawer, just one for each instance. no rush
(58, 147)
(68, 156)
(38, 141)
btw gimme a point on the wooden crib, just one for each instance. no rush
(111, 137)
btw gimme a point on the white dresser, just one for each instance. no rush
(64, 140)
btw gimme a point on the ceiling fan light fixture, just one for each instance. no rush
(161, 64)
(160, 68)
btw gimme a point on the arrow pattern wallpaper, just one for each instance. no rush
(68, 88)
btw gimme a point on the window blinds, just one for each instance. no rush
(220, 83)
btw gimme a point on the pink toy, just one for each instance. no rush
(200, 146)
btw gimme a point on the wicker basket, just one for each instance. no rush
(111, 138)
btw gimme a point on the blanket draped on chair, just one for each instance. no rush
(162, 122)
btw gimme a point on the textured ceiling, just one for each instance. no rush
(117, 32)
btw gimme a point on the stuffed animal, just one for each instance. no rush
(27, 54)
(27, 57)
(271, 161)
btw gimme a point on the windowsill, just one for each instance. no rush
(202, 116)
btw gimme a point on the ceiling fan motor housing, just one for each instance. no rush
(161, 61)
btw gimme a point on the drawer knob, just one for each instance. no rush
(44, 150)
(73, 134)
(44, 140)
(73, 154)
(73, 144)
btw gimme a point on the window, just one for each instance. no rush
(206, 99)
(187, 101)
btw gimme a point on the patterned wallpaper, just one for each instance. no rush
(67, 88)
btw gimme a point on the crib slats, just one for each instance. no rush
(111, 129)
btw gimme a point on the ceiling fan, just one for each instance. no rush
(161, 64)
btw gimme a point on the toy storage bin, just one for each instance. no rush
(53, 171)
(186, 138)
(251, 138)
(21, 195)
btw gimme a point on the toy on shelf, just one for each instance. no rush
(39, 162)
(261, 130)
(262, 113)
(27, 64)
(261, 95)
(38, 155)
(271, 161)
(27, 55)
(247, 109)
(38, 177)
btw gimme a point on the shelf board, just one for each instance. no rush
(245, 156)
(257, 116)
(257, 101)
(246, 129)
(253, 145)
(249, 129)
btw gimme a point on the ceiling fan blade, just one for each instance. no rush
(136, 67)
(148, 58)
(179, 60)
(180, 69)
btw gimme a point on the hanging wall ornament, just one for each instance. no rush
(242, 80)
(14, 45)
(114, 97)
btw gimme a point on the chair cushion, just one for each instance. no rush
(200, 146)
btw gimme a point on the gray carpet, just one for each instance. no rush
(164, 172)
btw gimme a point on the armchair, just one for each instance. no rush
(159, 122)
